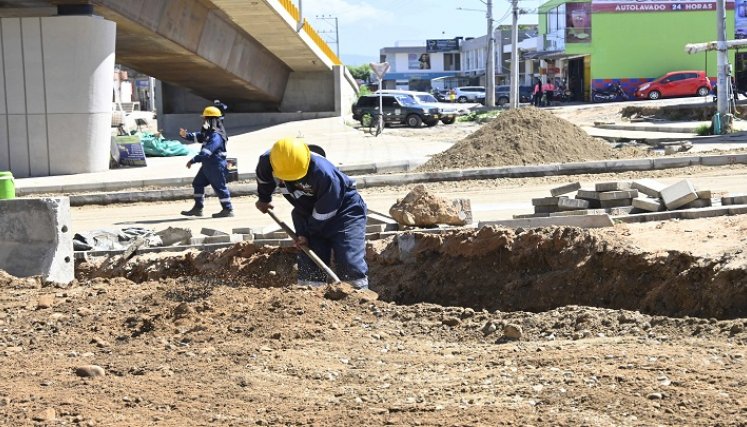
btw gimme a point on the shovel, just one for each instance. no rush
(308, 251)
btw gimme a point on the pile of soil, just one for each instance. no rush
(519, 137)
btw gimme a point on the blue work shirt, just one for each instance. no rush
(319, 196)
(213, 147)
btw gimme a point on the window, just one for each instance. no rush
(451, 62)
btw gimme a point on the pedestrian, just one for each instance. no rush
(537, 93)
(452, 95)
(212, 156)
(328, 213)
(549, 90)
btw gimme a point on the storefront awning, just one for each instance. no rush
(552, 54)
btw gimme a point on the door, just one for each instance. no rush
(672, 85)
(576, 78)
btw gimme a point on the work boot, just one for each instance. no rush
(225, 213)
(195, 211)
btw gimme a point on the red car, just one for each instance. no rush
(676, 83)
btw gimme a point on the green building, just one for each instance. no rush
(591, 44)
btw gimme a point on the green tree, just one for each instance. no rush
(360, 72)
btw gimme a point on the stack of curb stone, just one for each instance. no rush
(620, 198)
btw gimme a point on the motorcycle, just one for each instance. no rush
(613, 93)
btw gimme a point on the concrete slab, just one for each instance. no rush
(212, 232)
(587, 194)
(697, 203)
(565, 189)
(703, 194)
(612, 186)
(35, 238)
(649, 187)
(546, 209)
(534, 215)
(583, 221)
(616, 203)
(581, 212)
(547, 201)
(617, 195)
(678, 194)
(569, 204)
(648, 204)
(734, 199)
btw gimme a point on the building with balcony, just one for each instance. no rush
(413, 67)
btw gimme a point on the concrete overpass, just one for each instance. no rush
(258, 56)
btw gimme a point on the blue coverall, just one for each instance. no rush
(329, 212)
(214, 169)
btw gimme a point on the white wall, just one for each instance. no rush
(55, 112)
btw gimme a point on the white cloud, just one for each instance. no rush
(346, 11)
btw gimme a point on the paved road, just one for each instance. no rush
(498, 199)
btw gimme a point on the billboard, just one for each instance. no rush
(419, 62)
(578, 23)
(441, 45)
(616, 6)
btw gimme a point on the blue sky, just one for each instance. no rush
(367, 26)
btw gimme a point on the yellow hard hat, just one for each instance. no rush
(211, 111)
(290, 159)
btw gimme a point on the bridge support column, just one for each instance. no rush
(56, 94)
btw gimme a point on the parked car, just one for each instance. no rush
(397, 109)
(469, 93)
(676, 83)
(447, 111)
(502, 94)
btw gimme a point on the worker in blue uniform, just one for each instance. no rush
(212, 156)
(328, 213)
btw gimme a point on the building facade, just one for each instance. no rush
(588, 45)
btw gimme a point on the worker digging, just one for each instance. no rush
(214, 168)
(328, 213)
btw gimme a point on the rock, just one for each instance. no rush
(83, 312)
(467, 313)
(489, 328)
(451, 321)
(44, 301)
(90, 371)
(512, 332)
(339, 291)
(654, 396)
(422, 209)
(47, 415)
(100, 342)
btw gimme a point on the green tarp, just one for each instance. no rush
(158, 146)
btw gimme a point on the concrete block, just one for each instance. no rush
(703, 194)
(678, 194)
(242, 230)
(737, 210)
(273, 235)
(212, 232)
(547, 201)
(587, 194)
(218, 238)
(612, 186)
(35, 238)
(373, 217)
(629, 165)
(570, 204)
(649, 204)
(697, 203)
(534, 215)
(623, 210)
(246, 237)
(546, 209)
(580, 212)
(734, 199)
(616, 203)
(703, 213)
(584, 221)
(283, 243)
(565, 189)
(675, 162)
(174, 235)
(649, 187)
(616, 195)
(375, 228)
(196, 241)
(723, 159)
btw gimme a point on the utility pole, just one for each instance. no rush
(337, 32)
(490, 60)
(724, 83)
(514, 81)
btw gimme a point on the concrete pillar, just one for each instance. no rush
(36, 240)
(309, 91)
(55, 94)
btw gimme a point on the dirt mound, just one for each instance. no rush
(519, 137)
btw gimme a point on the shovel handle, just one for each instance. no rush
(314, 257)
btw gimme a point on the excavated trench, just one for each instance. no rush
(492, 269)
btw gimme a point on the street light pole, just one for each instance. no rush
(514, 81)
(490, 60)
(724, 85)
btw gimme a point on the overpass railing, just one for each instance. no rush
(293, 10)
